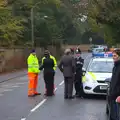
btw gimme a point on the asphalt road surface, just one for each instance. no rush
(15, 105)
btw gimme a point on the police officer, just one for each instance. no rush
(48, 66)
(78, 75)
(78, 49)
(67, 66)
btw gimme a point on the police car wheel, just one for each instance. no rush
(84, 94)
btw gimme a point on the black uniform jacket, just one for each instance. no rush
(47, 65)
(79, 63)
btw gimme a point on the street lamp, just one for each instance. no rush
(90, 39)
(32, 23)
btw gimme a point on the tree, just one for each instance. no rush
(59, 26)
(104, 16)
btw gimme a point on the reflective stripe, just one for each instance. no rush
(43, 59)
(83, 78)
(92, 75)
(31, 89)
(53, 58)
(33, 66)
(55, 62)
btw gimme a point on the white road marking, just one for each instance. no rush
(61, 83)
(23, 118)
(15, 86)
(37, 106)
(5, 85)
(40, 104)
(21, 83)
(8, 90)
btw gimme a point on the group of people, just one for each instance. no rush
(70, 65)
(49, 65)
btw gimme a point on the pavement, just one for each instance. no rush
(15, 104)
(13, 75)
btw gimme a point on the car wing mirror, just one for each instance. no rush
(108, 80)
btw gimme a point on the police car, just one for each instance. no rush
(98, 69)
(97, 51)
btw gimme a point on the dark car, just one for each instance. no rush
(108, 81)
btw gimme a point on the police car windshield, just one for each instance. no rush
(99, 50)
(101, 66)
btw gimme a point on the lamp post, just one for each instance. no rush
(90, 39)
(32, 23)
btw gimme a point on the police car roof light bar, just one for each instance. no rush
(103, 55)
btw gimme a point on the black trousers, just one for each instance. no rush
(78, 84)
(49, 83)
(114, 111)
(68, 86)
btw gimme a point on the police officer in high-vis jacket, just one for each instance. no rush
(78, 75)
(49, 66)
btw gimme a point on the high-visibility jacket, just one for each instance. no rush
(33, 64)
(55, 62)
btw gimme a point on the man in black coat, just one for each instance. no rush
(115, 86)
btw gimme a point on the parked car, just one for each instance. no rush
(95, 73)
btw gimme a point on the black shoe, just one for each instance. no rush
(66, 97)
(37, 93)
(76, 95)
(72, 97)
(31, 95)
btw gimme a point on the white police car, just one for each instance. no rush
(95, 73)
(97, 51)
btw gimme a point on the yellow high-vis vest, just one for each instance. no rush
(55, 62)
(33, 64)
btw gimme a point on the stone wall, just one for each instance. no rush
(12, 59)
(83, 48)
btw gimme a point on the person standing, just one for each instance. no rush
(78, 74)
(55, 62)
(115, 86)
(67, 66)
(33, 70)
(48, 66)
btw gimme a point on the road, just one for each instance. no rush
(15, 105)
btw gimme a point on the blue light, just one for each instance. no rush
(103, 55)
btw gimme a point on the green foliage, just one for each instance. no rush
(104, 16)
(15, 22)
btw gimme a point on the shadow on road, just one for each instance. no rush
(95, 97)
